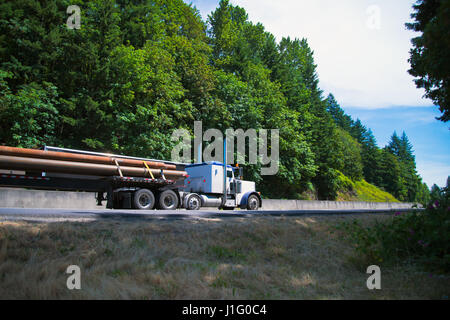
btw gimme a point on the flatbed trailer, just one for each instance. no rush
(119, 191)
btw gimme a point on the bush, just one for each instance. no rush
(421, 236)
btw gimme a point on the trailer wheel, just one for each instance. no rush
(252, 202)
(168, 200)
(144, 199)
(193, 202)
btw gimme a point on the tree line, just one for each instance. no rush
(137, 70)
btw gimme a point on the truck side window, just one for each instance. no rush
(229, 174)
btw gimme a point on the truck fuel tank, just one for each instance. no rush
(211, 201)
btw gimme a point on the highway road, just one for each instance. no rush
(48, 215)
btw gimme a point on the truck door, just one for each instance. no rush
(231, 183)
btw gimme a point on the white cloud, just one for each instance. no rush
(363, 67)
(434, 173)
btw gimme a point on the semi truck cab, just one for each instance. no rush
(204, 187)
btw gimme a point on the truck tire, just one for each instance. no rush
(168, 200)
(193, 202)
(144, 199)
(253, 203)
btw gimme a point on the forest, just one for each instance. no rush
(137, 70)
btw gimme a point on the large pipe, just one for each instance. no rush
(92, 153)
(36, 164)
(65, 156)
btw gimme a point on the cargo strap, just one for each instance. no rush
(149, 171)
(118, 168)
(162, 175)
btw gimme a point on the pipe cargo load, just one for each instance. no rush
(30, 164)
(65, 156)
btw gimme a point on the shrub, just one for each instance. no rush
(421, 236)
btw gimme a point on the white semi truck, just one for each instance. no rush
(205, 187)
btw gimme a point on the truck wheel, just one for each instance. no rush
(193, 202)
(168, 200)
(252, 202)
(144, 199)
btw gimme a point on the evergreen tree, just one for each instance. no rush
(391, 171)
(340, 118)
(358, 131)
(430, 55)
(402, 149)
(435, 193)
(371, 158)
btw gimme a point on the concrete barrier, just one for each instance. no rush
(22, 198)
(272, 204)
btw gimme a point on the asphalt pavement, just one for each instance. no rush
(48, 215)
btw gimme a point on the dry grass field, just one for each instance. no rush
(237, 258)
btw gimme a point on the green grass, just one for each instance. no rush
(361, 191)
(368, 192)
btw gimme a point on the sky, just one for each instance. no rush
(361, 48)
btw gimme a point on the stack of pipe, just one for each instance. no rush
(63, 162)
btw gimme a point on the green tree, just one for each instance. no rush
(28, 118)
(371, 158)
(340, 118)
(350, 162)
(402, 149)
(423, 194)
(391, 171)
(325, 143)
(435, 193)
(430, 55)
(358, 131)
